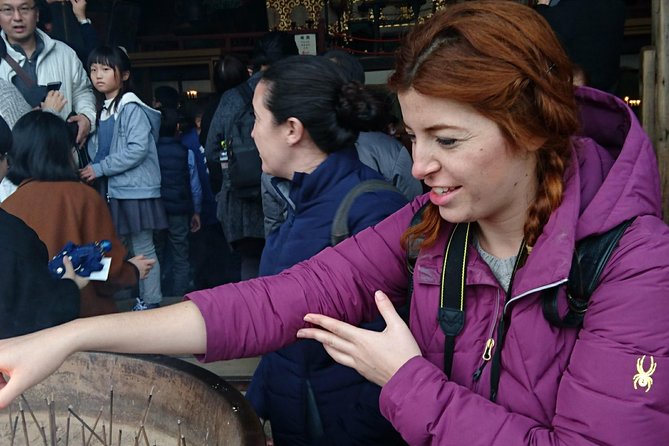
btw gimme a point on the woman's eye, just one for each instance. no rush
(446, 141)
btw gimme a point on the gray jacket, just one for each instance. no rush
(132, 164)
(377, 150)
(240, 218)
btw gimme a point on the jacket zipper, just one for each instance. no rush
(535, 290)
(489, 345)
(501, 334)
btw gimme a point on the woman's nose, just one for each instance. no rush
(424, 163)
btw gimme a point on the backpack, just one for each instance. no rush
(588, 261)
(244, 164)
(340, 229)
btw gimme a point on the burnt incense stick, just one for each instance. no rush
(16, 422)
(148, 405)
(43, 431)
(32, 414)
(95, 425)
(83, 436)
(111, 414)
(23, 423)
(120, 434)
(67, 430)
(179, 436)
(104, 434)
(146, 439)
(52, 420)
(84, 425)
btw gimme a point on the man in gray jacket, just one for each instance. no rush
(44, 61)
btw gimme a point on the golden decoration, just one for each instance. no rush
(643, 377)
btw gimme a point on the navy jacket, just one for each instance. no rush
(346, 404)
(175, 177)
(30, 298)
(208, 214)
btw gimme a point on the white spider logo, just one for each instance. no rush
(643, 378)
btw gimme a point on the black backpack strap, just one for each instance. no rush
(340, 230)
(590, 257)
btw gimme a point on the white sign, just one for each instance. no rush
(306, 44)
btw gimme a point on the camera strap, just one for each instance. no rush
(20, 71)
(452, 297)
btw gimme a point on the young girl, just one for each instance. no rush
(123, 150)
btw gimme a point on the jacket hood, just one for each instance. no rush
(612, 177)
(151, 113)
(617, 168)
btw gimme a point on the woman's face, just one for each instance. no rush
(269, 137)
(463, 157)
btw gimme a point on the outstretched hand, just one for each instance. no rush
(27, 360)
(375, 355)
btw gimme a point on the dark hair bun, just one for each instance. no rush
(357, 108)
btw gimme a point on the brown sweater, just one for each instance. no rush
(62, 211)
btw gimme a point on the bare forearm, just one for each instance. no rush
(28, 359)
(174, 329)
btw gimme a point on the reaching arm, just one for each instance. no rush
(27, 360)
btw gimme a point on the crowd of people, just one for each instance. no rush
(296, 227)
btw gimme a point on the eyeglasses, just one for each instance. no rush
(9, 11)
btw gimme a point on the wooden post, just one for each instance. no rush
(647, 89)
(660, 15)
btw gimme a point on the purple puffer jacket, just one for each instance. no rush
(605, 384)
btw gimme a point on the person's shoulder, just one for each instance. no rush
(130, 98)
(15, 232)
(57, 51)
(379, 139)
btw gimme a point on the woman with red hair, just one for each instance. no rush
(521, 167)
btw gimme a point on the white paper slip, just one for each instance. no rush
(104, 272)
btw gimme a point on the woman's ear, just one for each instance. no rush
(535, 143)
(125, 76)
(294, 131)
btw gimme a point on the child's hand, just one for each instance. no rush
(87, 173)
(195, 223)
(143, 264)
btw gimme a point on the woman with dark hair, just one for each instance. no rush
(522, 167)
(308, 117)
(30, 297)
(60, 209)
